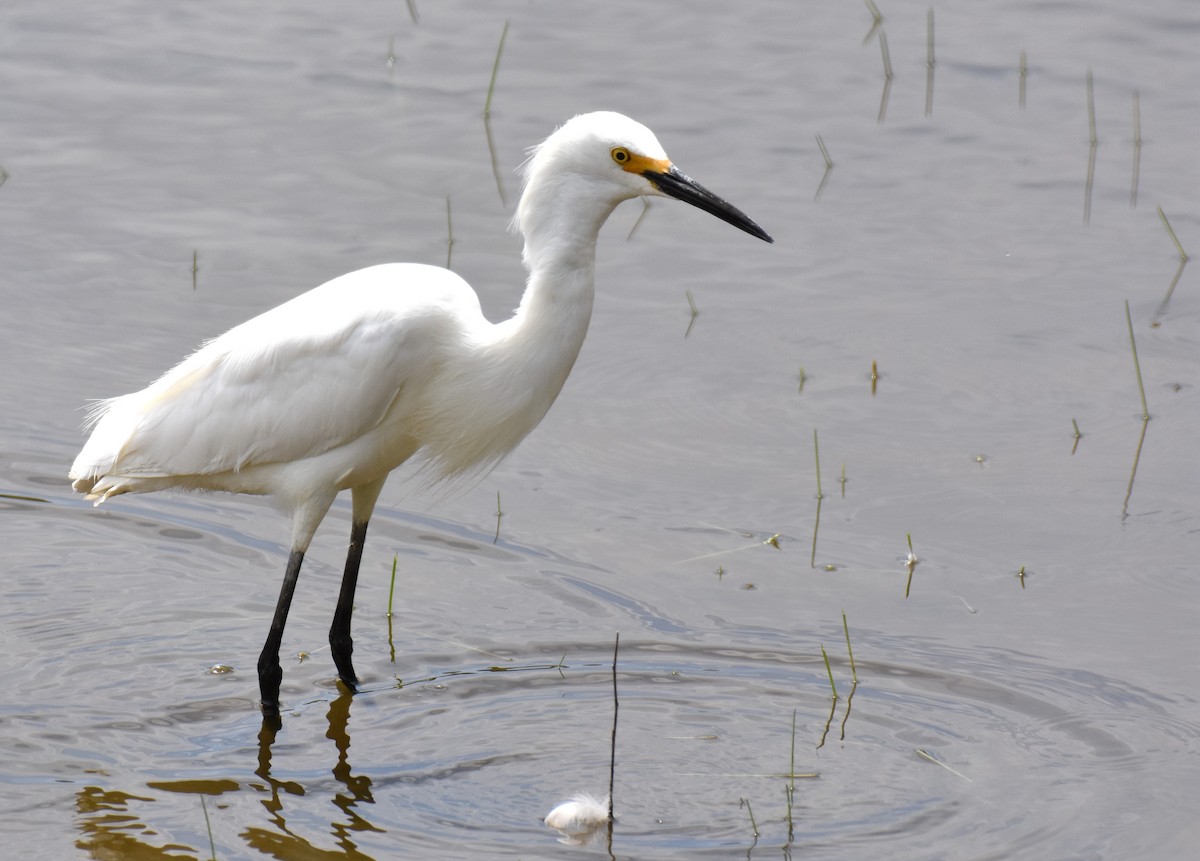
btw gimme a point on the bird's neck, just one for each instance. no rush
(546, 333)
(544, 336)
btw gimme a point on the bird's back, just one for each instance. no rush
(304, 378)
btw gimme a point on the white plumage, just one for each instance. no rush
(337, 387)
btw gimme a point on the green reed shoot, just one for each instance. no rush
(499, 514)
(688, 293)
(829, 671)
(745, 802)
(911, 564)
(212, 846)
(1137, 367)
(849, 650)
(876, 20)
(817, 458)
(487, 105)
(392, 588)
(1183, 256)
(887, 78)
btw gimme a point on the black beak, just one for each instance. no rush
(679, 185)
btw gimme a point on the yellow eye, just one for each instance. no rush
(620, 155)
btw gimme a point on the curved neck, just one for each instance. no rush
(560, 218)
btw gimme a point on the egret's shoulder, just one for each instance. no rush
(392, 283)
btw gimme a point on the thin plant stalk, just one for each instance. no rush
(887, 78)
(828, 168)
(1137, 367)
(212, 846)
(499, 514)
(812, 561)
(392, 588)
(487, 105)
(745, 802)
(1093, 143)
(641, 217)
(849, 650)
(1183, 258)
(612, 759)
(688, 293)
(911, 565)
(829, 671)
(876, 20)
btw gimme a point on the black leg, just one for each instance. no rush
(340, 642)
(270, 674)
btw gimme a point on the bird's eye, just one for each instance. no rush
(620, 155)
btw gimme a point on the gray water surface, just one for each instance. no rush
(950, 248)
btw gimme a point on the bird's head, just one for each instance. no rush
(617, 158)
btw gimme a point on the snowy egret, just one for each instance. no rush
(339, 386)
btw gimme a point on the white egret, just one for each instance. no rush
(339, 386)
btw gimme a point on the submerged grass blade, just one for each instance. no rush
(931, 758)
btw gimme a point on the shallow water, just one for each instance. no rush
(951, 249)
